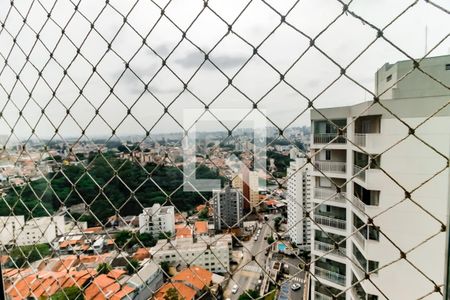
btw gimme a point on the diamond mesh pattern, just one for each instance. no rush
(78, 79)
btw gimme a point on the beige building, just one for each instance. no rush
(253, 187)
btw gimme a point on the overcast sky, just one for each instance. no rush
(342, 42)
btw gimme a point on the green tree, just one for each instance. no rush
(165, 267)
(75, 184)
(132, 266)
(23, 255)
(103, 268)
(172, 294)
(270, 240)
(203, 214)
(147, 239)
(91, 221)
(277, 223)
(122, 237)
(165, 235)
(249, 295)
(69, 293)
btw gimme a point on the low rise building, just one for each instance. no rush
(15, 230)
(194, 251)
(146, 282)
(157, 219)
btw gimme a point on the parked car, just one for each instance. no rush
(295, 286)
(235, 289)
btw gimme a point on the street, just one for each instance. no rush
(296, 276)
(249, 272)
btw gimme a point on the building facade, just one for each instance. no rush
(145, 282)
(40, 230)
(299, 201)
(228, 208)
(382, 188)
(157, 219)
(194, 251)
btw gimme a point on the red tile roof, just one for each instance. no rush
(201, 227)
(141, 254)
(106, 286)
(184, 231)
(47, 283)
(187, 283)
(196, 276)
(184, 292)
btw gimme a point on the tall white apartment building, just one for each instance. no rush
(157, 219)
(369, 190)
(16, 231)
(299, 200)
(194, 251)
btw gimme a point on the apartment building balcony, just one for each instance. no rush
(326, 292)
(326, 166)
(325, 138)
(330, 222)
(353, 294)
(320, 296)
(329, 275)
(326, 247)
(358, 203)
(326, 131)
(367, 132)
(360, 238)
(357, 268)
(368, 141)
(364, 199)
(359, 172)
(329, 194)
(331, 216)
(357, 291)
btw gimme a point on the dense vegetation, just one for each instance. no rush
(128, 239)
(281, 161)
(69, 293)
(249, 295)
(23, 255)
(108, 186)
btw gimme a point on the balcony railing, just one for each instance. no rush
(325, 138)
(360, 174)
(354, 294)
(359, 237)
(329, 194)
(357, 267)
(330, 275)
(330, 166)
(330, 222)
(319, 296)
(359, 204)
(325, 247)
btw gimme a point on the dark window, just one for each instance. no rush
(447, 67)
(389, 78)
(373, 265)
(374, 233)
(327, 155)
